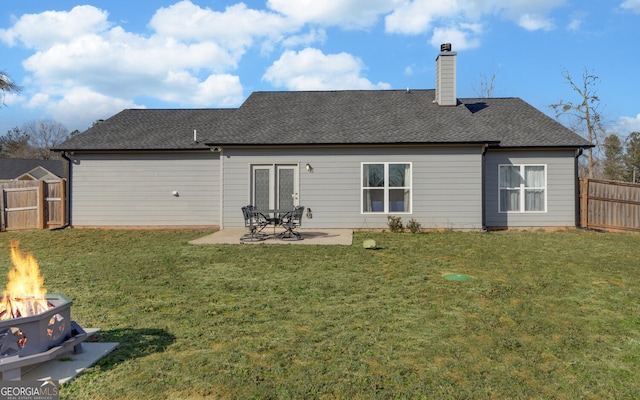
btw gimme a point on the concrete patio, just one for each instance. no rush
(310, 236)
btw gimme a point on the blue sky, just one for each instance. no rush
(80, 61)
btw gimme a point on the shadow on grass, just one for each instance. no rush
(134, 343)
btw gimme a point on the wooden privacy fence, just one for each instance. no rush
(33, 204)
(609, 205)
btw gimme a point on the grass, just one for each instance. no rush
(546, 315)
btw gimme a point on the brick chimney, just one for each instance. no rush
(446, 76)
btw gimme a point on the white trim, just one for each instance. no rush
(273, 181)
(386, 188)
(522, 189)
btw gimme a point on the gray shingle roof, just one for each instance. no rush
(12, 168)
(157, 129)
(333, 117)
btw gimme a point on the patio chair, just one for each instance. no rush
(291, 221)
(255, 223)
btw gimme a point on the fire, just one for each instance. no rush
(24, 294)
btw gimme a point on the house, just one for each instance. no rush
(28, 169)
(351, 157)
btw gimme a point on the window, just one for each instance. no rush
(386, 187)
(523, 188)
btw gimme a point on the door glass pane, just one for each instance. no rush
(261, 189)
(285, 188)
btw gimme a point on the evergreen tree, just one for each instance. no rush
(613, 165)
(632, 157)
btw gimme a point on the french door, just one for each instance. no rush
(274, 186)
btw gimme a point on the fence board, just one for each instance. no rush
(32, 204)
(609, 205)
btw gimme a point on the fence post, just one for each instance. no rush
(584, 202)
(2, 212)
(41, 205)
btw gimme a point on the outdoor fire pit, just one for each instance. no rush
(34, 326)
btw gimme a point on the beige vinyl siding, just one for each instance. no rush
(561, 189)
(136, 189)
(446, 187)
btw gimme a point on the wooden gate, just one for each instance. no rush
(33, 204)
(609, 205)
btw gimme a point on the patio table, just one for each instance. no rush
(275, 217)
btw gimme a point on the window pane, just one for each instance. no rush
(509, 176)
(399, 175)
(534, 176)
(373, 175)
(399, 200)
(285, 188)
(509, 200)
(534, 200)
(261, 192)
(373, 200)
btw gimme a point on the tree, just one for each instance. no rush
(632, 156)
(45, 134)
(584, 112)
(613, 165)
(485, 86)
(15, 144)
(7, 86)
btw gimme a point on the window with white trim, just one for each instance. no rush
(523, 188)
(386, 188)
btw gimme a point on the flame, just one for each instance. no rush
(24, 294)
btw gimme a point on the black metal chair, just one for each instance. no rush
(291, 221)
(255, 223)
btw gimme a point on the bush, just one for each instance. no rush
(395, 223)
(414, 226)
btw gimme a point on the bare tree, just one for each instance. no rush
(45, 134)
(485, 87)
(584, 112)
(7, 86)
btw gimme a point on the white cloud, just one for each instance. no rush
(79, 107)
(40, 31)
(575, 24)
(418, 16)
(462, 37)
(236, 28)
(313, 36)
(626, 125)
(421, 16)
(310, 69)
(532, 22)
(631, 5)
(80, 53)
(350, 14)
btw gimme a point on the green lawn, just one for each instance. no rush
(546, 315)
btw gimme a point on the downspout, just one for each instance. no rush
(221, 189)
(67, 223)
(483, 188)
(576, 184)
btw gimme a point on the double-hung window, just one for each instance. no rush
(523, 188)
(386, 187)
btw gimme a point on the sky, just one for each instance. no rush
(81, 61)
